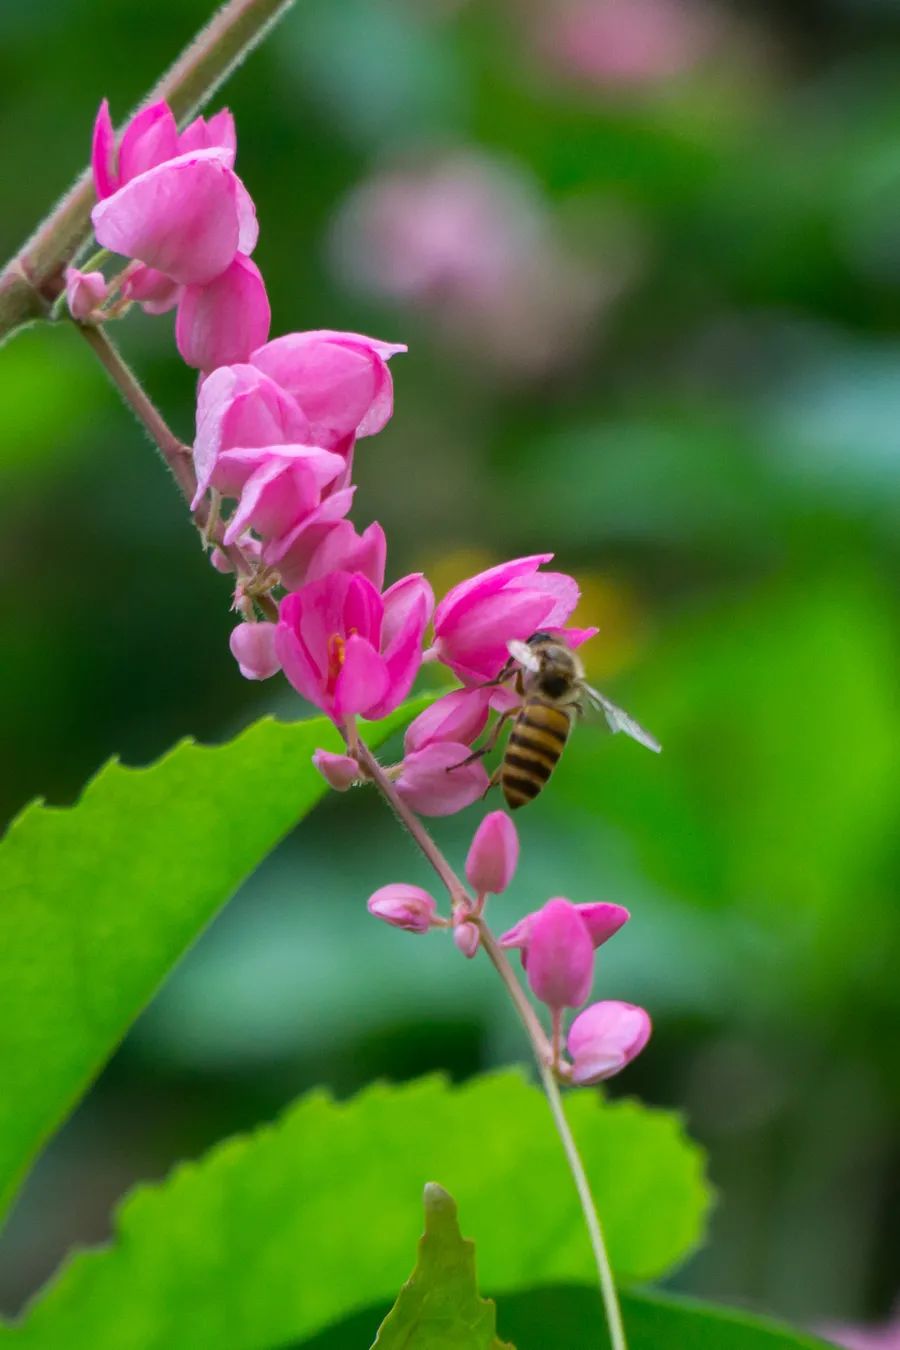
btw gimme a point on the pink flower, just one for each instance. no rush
(460, 716)
(172, 202)
(340, 380)
(476, 619)
(604, 1038)
(339, 771)
(435, 744)
(493, 855)
(602, 920)
(560, 956)
(883, 1337)
(284, 486)
(342, 549)
(221, 323)
(407, 907)
(253, 647)
(85, 292)
(426, 786)
(625, 44)
(350, 650)
(293, 553)
(153, 291)
(240, 407)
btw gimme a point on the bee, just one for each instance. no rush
(549, 677)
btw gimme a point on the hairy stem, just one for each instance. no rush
(175, 453)
(543, 1051)
(31, 281)
(589, 1209)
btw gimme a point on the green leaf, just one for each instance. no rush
(574, 1318)
(275, 1235)
(571, 1318)
(438, 1308)
(99, 900)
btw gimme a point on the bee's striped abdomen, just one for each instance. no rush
(535, 744)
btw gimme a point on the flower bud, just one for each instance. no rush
(85, 292)
(406, 907)
(493, 855)
(560, 956)
(253, 647)
(604, 1038)
(339, 771)
(466, 937)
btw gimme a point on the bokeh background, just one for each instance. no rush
(646, 254)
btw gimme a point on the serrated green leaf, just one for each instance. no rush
(273, 1236)
(439, 1307)
(99, 900)
(571, 1318)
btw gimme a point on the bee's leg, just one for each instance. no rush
(489, 743)
(504, 675)
(494, 780)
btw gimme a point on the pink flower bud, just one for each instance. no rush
(406, 907)
(466, 937)
(253, 647)
(432, 784)
(221, 323)
(604, 1038)
(339, 771)
(85, 292)
(493, 855)
(560, 956)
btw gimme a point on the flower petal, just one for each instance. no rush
(431, 783)
(221, 323)
(180, 217)
(103, 154)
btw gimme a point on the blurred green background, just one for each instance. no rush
(663, 339)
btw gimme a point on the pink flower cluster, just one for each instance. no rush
(277, 427)
(172, 203)
(276, 432)
(556, 943)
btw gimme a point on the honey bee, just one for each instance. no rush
(549, 677)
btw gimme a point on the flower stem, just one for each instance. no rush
(543, 1052)
(589, 1209)
(175, 453)
(31, 281)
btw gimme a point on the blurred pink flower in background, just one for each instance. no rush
(884, 1337)
(623, 44)
(470, 241)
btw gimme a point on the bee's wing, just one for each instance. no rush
(525, 655)
(618, 720)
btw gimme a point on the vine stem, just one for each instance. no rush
(31, 281)
(541, 1046)
(591, 1217)
(174, 452)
